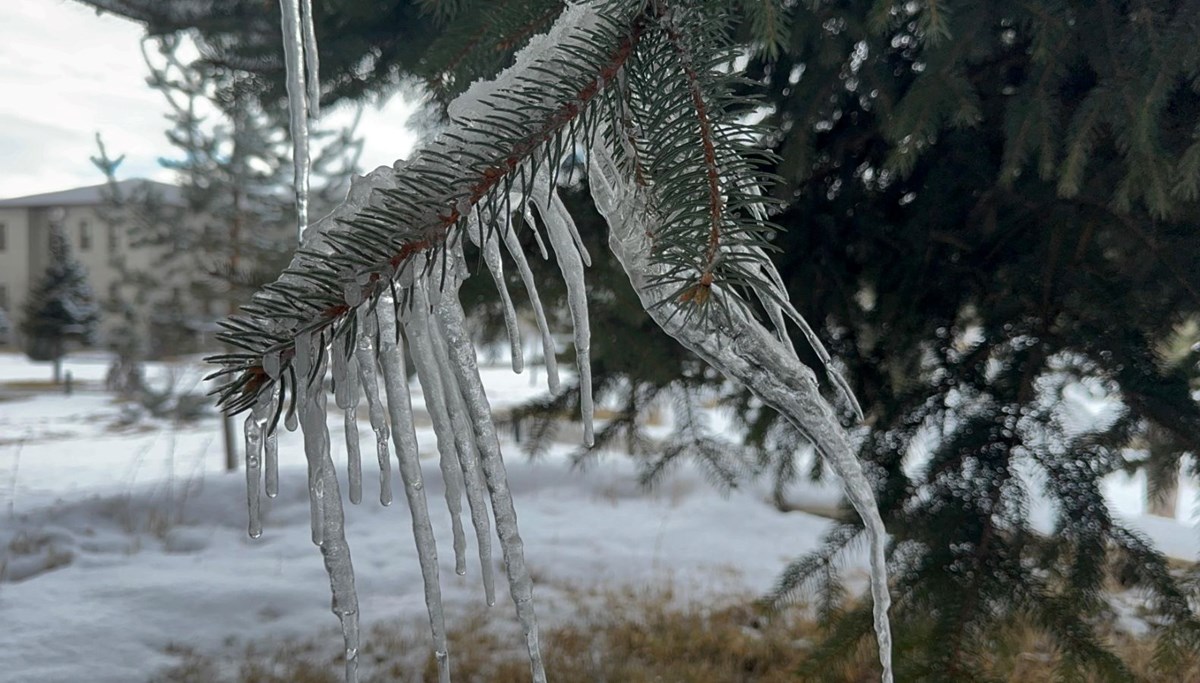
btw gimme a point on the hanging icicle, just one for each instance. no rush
(416, 332)
(364, 355)
(298, 101)
(488, 244)
(559, 228)
(462, 356)
(513, 246)
(254, 427)
(345, 388)
(404, 436)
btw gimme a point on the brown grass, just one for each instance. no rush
(624, 636)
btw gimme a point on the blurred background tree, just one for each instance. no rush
(61, 309)
(989, 206)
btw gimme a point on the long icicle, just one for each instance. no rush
(298, 105)
(747, 352)
(311, 60)
(364, 354)
(559, 227)
(253, 429)
(466, 371)
(468, 456)
(416, 331)
(395, 382)
(312, 445)
(513, 246)
(335, 551)
(345, 392)
(485, 239)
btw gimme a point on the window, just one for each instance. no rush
(3, 237)
(112, 239)
(85, 236)
(3, 297)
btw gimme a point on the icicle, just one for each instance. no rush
(253, 429)
(468, 456)
(404, 436)
(364, 355)
(513, 245)
(271, 448)
(293, 53)
(559, 227)
(747, 352)
(325, 497)
(466, 372)
(334, 549)
(345, 392)
(416, 330)
(311, 60)
(313, 424)
(485, 239)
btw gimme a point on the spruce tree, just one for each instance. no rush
(61, 308)
(984, 202)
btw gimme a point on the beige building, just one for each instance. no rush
(103, 244)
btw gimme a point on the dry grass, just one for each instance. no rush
(629, 637)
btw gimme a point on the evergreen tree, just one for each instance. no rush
(61, 308)
(985, 203)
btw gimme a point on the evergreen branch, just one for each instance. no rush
(716, 205)
(356, 254)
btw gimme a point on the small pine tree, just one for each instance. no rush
(61, 308)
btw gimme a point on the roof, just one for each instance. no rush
(94, 194)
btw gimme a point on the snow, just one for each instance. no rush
(120, 543)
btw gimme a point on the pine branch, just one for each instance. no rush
(392, 217)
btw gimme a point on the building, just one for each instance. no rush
(99, 237)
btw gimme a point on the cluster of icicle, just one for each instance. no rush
(432, 326)
(429, 321)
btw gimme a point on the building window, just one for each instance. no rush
(112, 239)
(85, 236)
(3, 297)
(3, 237)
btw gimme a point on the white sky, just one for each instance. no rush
(66, 74)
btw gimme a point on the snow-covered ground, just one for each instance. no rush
(123, 542)
(117, 543)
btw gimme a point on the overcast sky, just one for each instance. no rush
(66, 74)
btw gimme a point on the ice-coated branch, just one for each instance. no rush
(746, 351)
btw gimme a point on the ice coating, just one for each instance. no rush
(404, 436)
(746, 351)
(462, 356)
(559, 228)
(293, 56)
(416, 331)
(487, 242)
(513, 246)
(364, 355)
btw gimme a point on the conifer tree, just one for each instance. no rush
(61, 307)
(984, 200)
